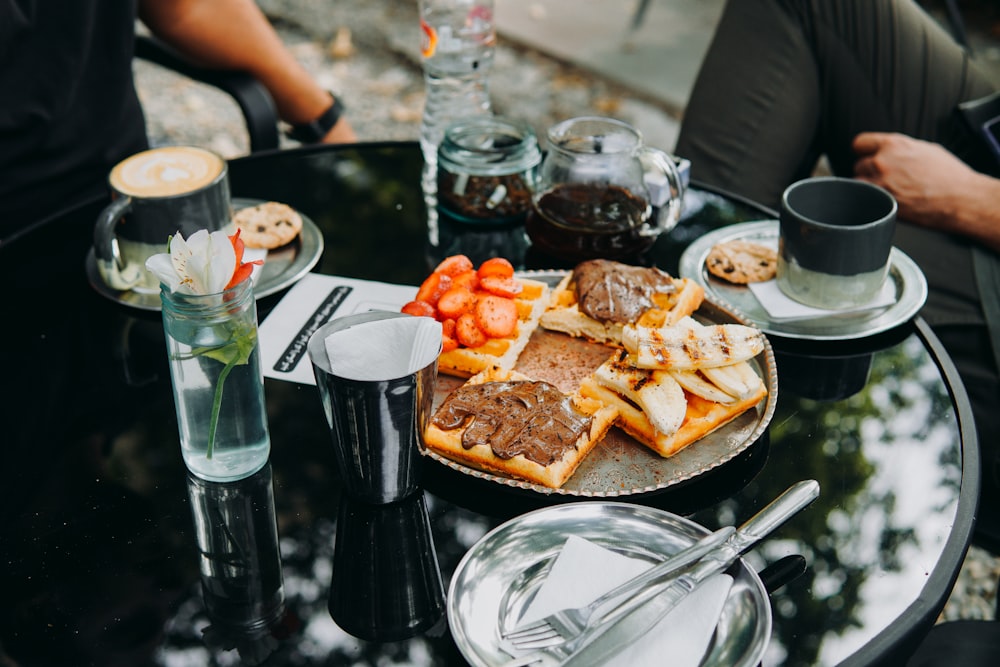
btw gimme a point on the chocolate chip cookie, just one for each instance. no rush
(742, 262)
(268, 225)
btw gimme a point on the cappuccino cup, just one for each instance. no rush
(834, 242)
(156, 194)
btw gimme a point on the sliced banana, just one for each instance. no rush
(699, 386)
(737, 379)
(656, 392)
(689, 348)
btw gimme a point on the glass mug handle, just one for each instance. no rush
(666, 188)
(109, 260)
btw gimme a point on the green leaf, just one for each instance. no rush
(234, 353)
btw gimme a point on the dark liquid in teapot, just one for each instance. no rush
(577, 221)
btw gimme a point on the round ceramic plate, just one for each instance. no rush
(619, 466)
(905, 277)
(282, 267)
(499, 576)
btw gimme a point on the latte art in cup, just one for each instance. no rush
(167, 171)
(155, 194)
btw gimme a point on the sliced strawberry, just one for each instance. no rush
(433, 287)
(448, 327)
(467, 331)
(496, 316)
(419, 308)
(496, 266)
(467, 279)
(448, 344)
(501, 286)
(454, 265)
(456, 302)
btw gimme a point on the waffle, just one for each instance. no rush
(465, 362)
(700, 416)
(564, 314)
(449, 441)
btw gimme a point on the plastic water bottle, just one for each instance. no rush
(458, 43)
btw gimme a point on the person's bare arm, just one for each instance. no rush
(932, 187)
(235, 34)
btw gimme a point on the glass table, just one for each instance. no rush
(110, 554)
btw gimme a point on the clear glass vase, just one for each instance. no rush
(218, 383)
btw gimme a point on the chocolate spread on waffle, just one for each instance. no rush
(533, 419)
(613, 292)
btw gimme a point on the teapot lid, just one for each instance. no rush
(595, 135)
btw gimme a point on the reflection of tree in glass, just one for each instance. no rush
(372, 188)
(857, 532)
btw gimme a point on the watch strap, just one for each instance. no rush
(314, 131)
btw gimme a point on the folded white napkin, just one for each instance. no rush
(583, 571)
(780, 306)
(384, 349)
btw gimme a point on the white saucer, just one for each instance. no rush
(905, 277)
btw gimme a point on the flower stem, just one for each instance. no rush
(217, 407)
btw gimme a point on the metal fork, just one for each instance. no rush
(567, 623)
(567, 629)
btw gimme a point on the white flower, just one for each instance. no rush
(202, 264)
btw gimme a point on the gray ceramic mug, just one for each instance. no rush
(155, 194)
(835, 241)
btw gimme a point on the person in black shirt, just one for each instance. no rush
(68, 106)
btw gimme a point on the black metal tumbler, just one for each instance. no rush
(376, 424)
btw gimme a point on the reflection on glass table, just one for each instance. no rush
(240, 563)
(386, 584)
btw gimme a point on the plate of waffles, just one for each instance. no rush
(616, 463)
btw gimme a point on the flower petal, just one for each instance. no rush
(238, 246)
(242, 273)
(204, 263)
(162, 267)
(180, 255)
(222, 263)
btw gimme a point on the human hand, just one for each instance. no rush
(928, 182)
(341, 133)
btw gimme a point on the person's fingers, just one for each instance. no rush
(867, 143)
(865, 169)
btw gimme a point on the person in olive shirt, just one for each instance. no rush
(873, 85)
(68, 106)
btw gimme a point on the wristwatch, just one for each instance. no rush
(314, 131)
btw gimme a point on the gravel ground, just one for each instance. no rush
(366, 51)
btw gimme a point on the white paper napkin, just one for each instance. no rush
(583, 571)
(384, 349)
(782, 307)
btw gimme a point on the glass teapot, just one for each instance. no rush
(601, 192)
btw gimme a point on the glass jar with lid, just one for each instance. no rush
(487, 167)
